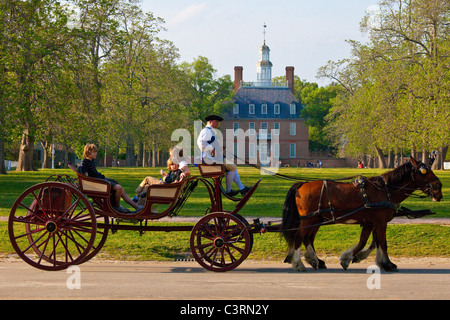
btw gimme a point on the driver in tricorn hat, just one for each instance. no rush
(209, 146)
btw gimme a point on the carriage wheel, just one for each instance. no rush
(220, 241)
(100, 239)
(52, 226)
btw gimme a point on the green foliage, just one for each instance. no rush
(395, 88)
(208, 93)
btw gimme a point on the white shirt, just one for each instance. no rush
(206, 146)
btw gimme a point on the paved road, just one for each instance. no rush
(418, 279)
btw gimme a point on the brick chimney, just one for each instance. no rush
(237, 78)
(290, 77)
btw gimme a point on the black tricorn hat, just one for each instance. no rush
(213, 117)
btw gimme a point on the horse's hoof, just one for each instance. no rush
(299, 267)
(322, 264)
(344, 265)
(388, 267)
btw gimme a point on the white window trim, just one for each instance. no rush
(290, 150)
(276, 132)
(236, 109)
(251, 131)
(250, 107)
(235, 130)
(275, 108)
(264, 106)
(276, 150)
(267, 126)
(252, 151)
(293, 109)
(293, 128)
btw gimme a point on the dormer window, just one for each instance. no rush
(264, 109)
(236, 109)
(293, 109)
(276, 109)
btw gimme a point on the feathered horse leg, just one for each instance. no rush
(350, 254)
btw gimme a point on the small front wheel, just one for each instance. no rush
(220, 241)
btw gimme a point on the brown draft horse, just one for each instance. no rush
(372, 203)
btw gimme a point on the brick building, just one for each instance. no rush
(265, 117)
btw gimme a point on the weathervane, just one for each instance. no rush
(264, 32)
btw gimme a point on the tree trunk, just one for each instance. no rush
(66, 155)
(130, 158)
(116, 156)
(425, 157)
(140, 154)
(45, 162)
(154, 156)
(382, 161)
(26, 153)
(144, 156)
(438, 163)
(391, 159)
(2, 157)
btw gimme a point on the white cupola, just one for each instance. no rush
(264, 66)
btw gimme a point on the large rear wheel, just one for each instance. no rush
(52, 226)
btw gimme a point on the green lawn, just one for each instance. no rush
(267, 201)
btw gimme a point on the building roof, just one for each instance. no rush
(264, 95)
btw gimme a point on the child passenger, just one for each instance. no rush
(175, 174)
(88, 168)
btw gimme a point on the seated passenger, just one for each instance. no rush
(89, 169)
(175, 174)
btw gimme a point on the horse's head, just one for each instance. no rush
(426, 180)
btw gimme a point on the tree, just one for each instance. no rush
(36, 34)
(208, 93)
(395, 88)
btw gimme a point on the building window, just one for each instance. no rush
(236, 109)
(292, 150)
(264, 153)
(264, 127)
(251, 128)
(251, 150)
(264, 109)
(276, 128)
(292, 129)
(251, 109)
(235, 128)
(293, 109)
(276, 109)
(276, 150)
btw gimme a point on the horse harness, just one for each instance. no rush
(360, 183)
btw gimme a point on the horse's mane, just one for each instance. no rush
(397, 175)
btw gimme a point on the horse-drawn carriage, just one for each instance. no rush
(64, 222)
(56, 224)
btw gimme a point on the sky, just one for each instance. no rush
(305, 34)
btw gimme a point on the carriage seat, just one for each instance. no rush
(211, 170)
(165, 193)
(92, 186)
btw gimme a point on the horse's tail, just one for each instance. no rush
(291, 221)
